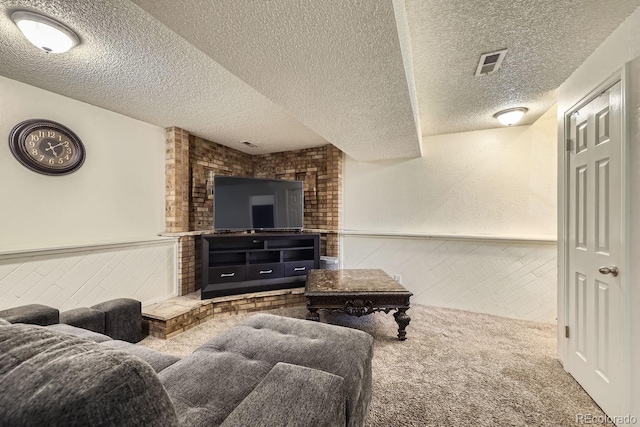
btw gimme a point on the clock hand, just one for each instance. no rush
(52, 149)
(55, 146)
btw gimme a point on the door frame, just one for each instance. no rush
(622, 76)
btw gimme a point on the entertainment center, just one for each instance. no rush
(242, 263)
(258, 244)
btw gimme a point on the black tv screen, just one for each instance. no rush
(257, 204)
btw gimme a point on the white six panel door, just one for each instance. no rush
(594, 297)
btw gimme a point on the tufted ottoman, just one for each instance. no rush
(239, 359)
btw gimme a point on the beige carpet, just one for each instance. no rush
(455, 369)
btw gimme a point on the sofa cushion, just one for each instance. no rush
(54, 379)
(79, 332)
(34, 314)
(157, 360)
(293, 396)
(122, 319)
(85, 318)
(206, 387)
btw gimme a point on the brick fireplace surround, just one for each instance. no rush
(191, 163)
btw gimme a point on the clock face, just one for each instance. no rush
(46, 147)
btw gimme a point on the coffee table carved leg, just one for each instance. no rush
(402, 319)
(313, 314)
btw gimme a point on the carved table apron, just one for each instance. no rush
(357, 293)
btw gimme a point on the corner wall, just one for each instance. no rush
(190, 170)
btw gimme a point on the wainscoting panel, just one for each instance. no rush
(514, 279)
(83, 276)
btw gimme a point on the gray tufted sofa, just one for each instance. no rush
(266, 371)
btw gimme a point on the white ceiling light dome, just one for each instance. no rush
(511, 116)
(45, 33)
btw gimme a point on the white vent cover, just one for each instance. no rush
(490, 62)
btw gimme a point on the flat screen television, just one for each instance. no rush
(257, 204)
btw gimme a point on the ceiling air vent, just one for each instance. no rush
(490, 62)
(249, 144)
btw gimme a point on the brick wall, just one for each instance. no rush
(310, 166)
(208, 159)
(191, 164)
(187, 266)
(177, 180)
(335, 159)
(321, 170)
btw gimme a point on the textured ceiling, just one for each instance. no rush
(547, 41)
(130, 63)
(368, 76)
(335, 65)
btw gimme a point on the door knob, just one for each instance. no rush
(613, 270)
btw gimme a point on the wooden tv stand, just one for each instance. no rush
(244, 263)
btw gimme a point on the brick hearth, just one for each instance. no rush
(176, 315)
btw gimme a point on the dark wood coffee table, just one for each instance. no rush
(357, 293)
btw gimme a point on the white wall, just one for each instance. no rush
(620, 47)
(470, 225)
(118, 194)
(498, 182)
(102, 220)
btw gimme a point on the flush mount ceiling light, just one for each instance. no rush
(511, 116)
(45, 33)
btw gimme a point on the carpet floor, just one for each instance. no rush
(455, 369)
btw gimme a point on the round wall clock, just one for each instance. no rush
(46, 147)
